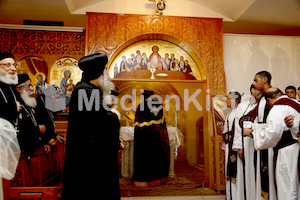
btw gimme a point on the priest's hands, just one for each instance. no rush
(42, 129)
(289, 120)
(19, 106)
(47, 148)
(240, 153)
(247, 131)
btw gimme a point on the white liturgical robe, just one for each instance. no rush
(272, 192)
(286, 171)
(227, 127)
(243, 109)
(9, 152)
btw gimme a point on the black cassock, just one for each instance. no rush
(8, 106)
(29, 119)
(91, 167)
(151, 148)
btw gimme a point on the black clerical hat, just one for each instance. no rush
(93, 65)
(115, 92)
(4, 55)
(22, 78)
(147, 94)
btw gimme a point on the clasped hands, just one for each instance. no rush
(288, 120)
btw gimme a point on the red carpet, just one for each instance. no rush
(188, 181)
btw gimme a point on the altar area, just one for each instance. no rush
(176, 139)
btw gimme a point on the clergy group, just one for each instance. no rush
(261, 143)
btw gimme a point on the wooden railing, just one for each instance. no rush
(39, 177)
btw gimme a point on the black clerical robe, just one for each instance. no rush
(8, 106)
(29, 135)
(45, 117)
(151, 147)
(91, 167)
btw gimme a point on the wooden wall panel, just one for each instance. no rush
(47, 45)
(108, 32)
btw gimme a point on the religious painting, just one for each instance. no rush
(37, 70)
(64, 75)
(154, 54)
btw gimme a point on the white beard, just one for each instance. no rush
(28, 100)
(107, 86)
(8, 78)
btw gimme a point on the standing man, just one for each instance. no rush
(290, 91)
(284, 140)
(36, 123)
(247, 150)
(9, 108)
(91, 165)
(265, 184)
(151, 144)
(233, 100)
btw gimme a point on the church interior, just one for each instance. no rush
(219, 44)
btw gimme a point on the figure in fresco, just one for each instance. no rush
(181, 63)
(172, 60)
(187, 67)
(130, 65)
(144, 62)
(40, 85)
(138, 58)
(69, 90)
(123, 64)
(155, 60)
(64, 84)
(116, 69)
(175, 66)
(166, 63)
(64, 81)
(134, 62)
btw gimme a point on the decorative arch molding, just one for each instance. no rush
(109, 33)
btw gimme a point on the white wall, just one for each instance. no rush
(245, 55)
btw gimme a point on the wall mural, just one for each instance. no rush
(154, 54)
(37, 70)
(64, 75)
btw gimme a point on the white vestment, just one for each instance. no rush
(243, 109)
(260, 125)
(286, 171)
(227, 127)
(9, 152)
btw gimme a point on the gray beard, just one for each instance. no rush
(28, 100)
(8, 79)
(107, 86)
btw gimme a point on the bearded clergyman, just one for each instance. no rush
(9, 108)
(91, 164)
(35, 123)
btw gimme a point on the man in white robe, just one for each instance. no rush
(243, 109)
(277, 134)
(264, 161)
(233, 100)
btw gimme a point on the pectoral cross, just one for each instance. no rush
(160, 6)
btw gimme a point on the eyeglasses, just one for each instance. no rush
(28, 86)
(8, 65)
